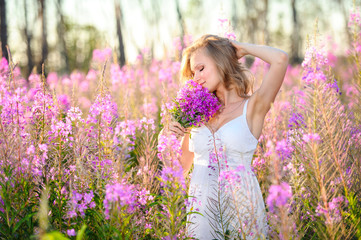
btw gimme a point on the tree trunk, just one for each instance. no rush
(28, 38)
(295, 38)
(252, 20)
(182, 27)
(44, 42)
(265, 22)
(61, 36)
(345, 16)
(3, 29)
(118, 18)
(235, 17)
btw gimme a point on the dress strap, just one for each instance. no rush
(245, 108)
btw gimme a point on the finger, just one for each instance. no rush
(176, 130)
(178, 125)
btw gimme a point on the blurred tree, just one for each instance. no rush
(345, 15)
(266, 34)
(3, 29)
(62, 35)
(256, 13)
(153, 15)
(27, 33)
(181, 25)
(192, 12)
(119, 20)
(235, 15)
(44, 42)
(295, 37)
(81, 41)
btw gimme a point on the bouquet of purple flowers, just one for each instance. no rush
(194, 105)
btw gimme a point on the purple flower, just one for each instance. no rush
(88, 197)
(121, 194)
(43, 105)
(225, 28)
(311, 137)
(52, 80)
(79, 203)
(284, 149)
(71, 232)
(60, 129)
(333, 210)
(4, 66)
(314, 58)
(101, 55)
(74, 114)
(231, 177)
(125, 135)
(64, 102)
(334, 86)
(354, 18)
(103, 109)
(72, 214)
(278, 195)
(171, 174)
(194, 105)
(311, 76)
(296, 120)
(30, 150)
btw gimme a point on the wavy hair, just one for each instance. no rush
(232, 72)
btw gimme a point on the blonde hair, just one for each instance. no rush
(232, 72)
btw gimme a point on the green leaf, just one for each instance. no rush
(54, 236)
(81, 232)
(18, 224)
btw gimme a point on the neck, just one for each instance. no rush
(227, 97)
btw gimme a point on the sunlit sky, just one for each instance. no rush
(137, 32)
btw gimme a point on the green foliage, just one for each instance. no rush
(17, 220)
(353, 213)
(170, 217)
(81, 41)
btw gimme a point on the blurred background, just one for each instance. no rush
(63, 33)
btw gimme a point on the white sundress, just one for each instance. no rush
(242, 203)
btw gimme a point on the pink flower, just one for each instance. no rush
(4, 66)
(43, 147)
(101, 56)
(52, 80)
(278, 195)
(122, 194)
(30, 150)
(64, 102)
(71, 232)
(311, 137)
(103, 107)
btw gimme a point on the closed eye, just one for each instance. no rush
(201, 69)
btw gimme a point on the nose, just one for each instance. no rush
(196, 77)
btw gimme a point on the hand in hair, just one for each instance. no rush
(241, 52)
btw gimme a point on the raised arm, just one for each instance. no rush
(260, 102)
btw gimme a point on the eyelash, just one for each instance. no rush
(199, 70)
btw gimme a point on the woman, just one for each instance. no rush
(236, 210)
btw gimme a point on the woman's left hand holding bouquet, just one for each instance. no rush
(176, 129)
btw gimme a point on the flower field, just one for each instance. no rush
(80, 156)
